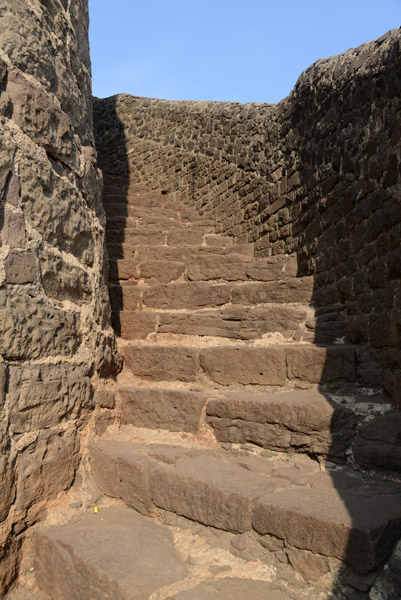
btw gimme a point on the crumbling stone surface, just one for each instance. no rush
(55, 332)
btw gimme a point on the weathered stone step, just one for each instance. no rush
(192, 295)
(213, 267)
(171, 237)
(154, 222)
(121, 555)
(230, 365)
(178, 253)
(304, 421)
(116, 554)
(234, 322)
(122, 209)
(354, 519)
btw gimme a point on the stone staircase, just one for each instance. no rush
(232, 470)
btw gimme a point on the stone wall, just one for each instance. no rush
(55, 335)
(318, 174)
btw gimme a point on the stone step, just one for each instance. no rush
(193, 295)
(154, 222)
(177, 253)
(304, 421)
(277, 366)
(120, 208)
(171, 237)
(332, 514)
(121, 555)
(213, 267)
(116, 553)
(233, 322)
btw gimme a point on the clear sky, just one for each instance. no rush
(245, 51)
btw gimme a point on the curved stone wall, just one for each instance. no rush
(318, 174)
(55, 335)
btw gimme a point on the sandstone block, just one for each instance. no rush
(209, 490)
(117, 554)
(31, 328)
(160, 271)
(135, 237)
(123, 269)
(230, 365)
(20, 267)
(378, 443)
(121, 472)
(186, 295)
(44, 396)
(300, 421)
(104, 398)
(64, 281)
(237, 322)
(174, 410)
(47, 467)
(184, 238)
(293, 290)
(228, 268)
(240, 589)
(162, 363)
(13, 232)
(136, 325)
(125, 297)
(314, 364)
(355, 523)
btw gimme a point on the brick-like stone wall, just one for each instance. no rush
(318, 174)
(55, 335)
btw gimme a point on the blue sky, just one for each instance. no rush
(244, 51)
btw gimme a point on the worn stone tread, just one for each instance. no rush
(193, 295)
(300, 420)
(236, 589)
(274, 365)
(116, 554)
(175, 410)
(236, 322)
(124, 250)
(355, 519)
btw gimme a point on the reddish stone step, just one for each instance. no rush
(232, 322)
(116, 553)
(297, 421)
(174, 410)
(192, 295)
(357, 520)
(231, 267)
(124, 250)
(236, 589)
(120, 208)
(276, 365)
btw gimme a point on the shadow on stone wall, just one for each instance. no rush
(113, 161)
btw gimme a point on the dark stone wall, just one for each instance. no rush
(318, 174)
(56, 340)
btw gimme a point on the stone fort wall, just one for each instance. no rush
(55, 336)
(318, 174)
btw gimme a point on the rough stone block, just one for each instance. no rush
(115, 554)
(300, 421)
(230, 365)
(174, 410)
(47, 467)
(162, 363)
(189, 295)
(20, 267)
(315, 364)
(357, 523)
